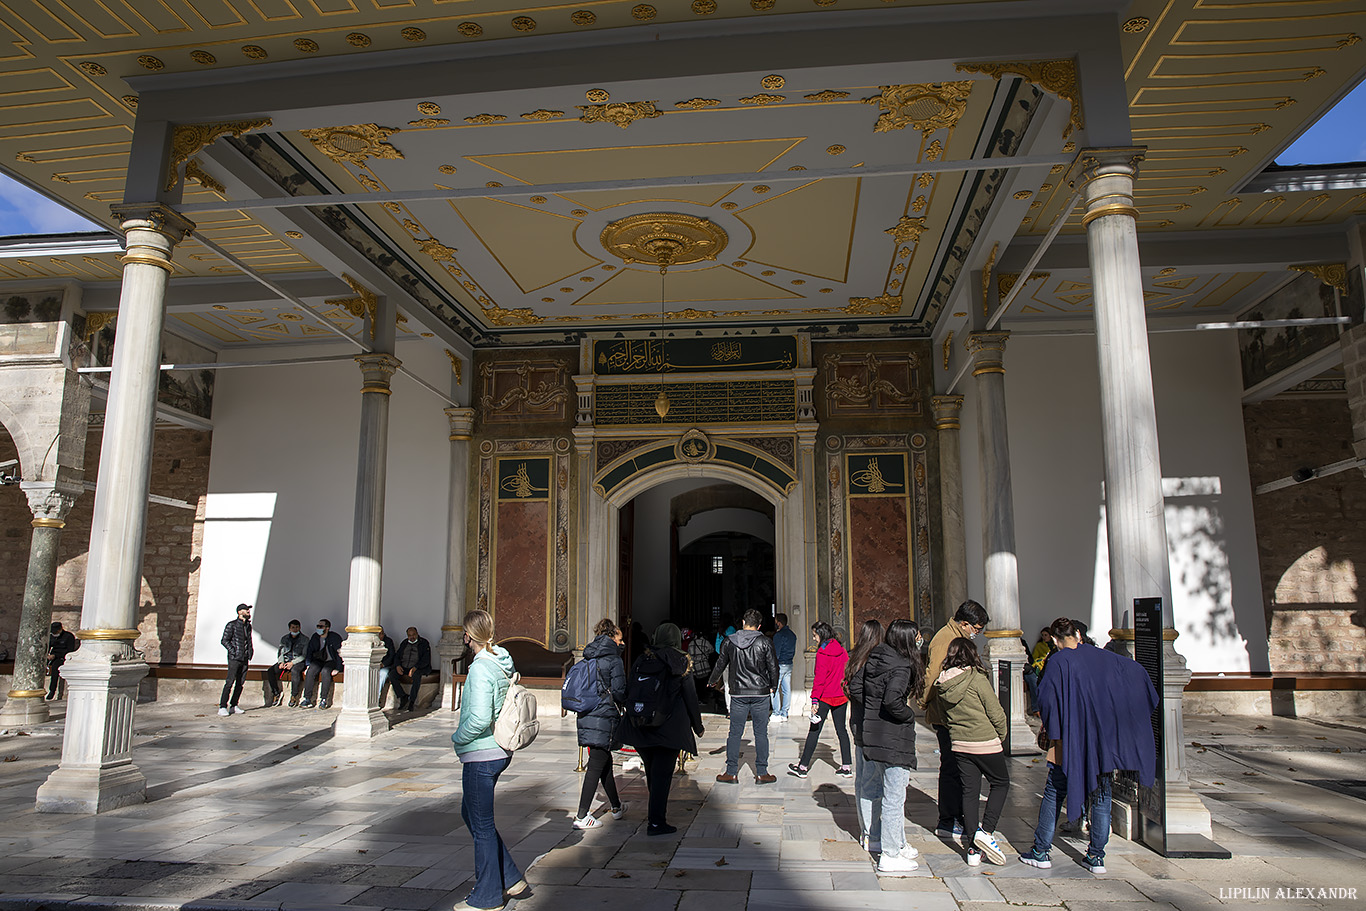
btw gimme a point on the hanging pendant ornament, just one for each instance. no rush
(665, 255)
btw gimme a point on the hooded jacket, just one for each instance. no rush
(752, 662)
(486, 685)
(881, 690)
(828, 684)
(237, 640)
(965, 700)
(599, 727)
(934, 665)
(685, 718)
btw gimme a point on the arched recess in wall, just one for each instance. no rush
(30, 462)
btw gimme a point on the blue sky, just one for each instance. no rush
(1338, 136)
(23, 211)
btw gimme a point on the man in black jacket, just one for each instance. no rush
(237, 640)
(753, 665)
(59, 644)
(324, 660)
(412, 662)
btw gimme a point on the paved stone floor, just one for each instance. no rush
(267, 811)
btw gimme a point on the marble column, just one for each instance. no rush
(362, 652)
(452, 644)
(998, 529)
(96, 772)
(1134, 520)
(49, 504)
(954, 555)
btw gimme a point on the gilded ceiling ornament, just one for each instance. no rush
(926, 106)
(1045, 187)
(520, 316)
(94, 322)
(254, 52)
(583, 17)
(690, 313)
(447, 169)
(538, 200)
(306, 45)
(364, 304)
(1348, 41)
(1023, 194)
(703, 7)
(761, 5)
(622, 113)
(357, 39)
(643, 11)
(365, 180)
(1057, 77)
(437, 250)
(934, 151)
(294, 235)
(470, 29)
(486, 118)
(1334, 274)
(768, 272)
(900, 268)
(986, 278)
(430, 108)
(773, 82)
(578, 213)
(907, 230)
(131, 101)
(763, 98)
(543, 115)
(193, 171)
(412, 226)
(826, 95)
(919, 204)
(1069, 146)
(187, 139)
(730, 205)
(597, 95)
(148, 62)
(354, 143)
(698, 103)
(1006, 280)
(413, 33)
(761, 188)
(664, 239)
(1235, 152)
(836, 150)
(1057, 169)
(883, 305)
(61, 178)
(1314, 73)
(797, 167)
(825, 2)
(524, 24)
(291, 316)
(1136, 25)
(826, 290)
(91, 68)
(427, 122)
(493, 184)
(203, 57)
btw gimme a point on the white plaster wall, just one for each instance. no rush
(650, 559)
(744, 521)
(282, 486)
(1053, 406)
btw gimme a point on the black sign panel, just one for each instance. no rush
(620, 357)
(1148, 653)
(1003, 693)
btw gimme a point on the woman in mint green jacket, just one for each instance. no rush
(496, 875)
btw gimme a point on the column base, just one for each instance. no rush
(449, 650)
(360, 716)
(87, 791)
(1023, 741)
(1186, 812)
(362, 723)
(23, 711)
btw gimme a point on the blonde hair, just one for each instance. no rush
(479, 627)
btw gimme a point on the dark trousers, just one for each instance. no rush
(950, 782)
(237, 675)
(659, 763)
(813, 736)
(311, 682)
(54, 668)
(413, 682)
(742, 709)
(599, 770)
(494, 869)
(971, 768)
(296, 679)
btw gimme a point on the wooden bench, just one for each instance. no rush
(538, 665)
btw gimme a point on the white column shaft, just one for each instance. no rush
(452, 644)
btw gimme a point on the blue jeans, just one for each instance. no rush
(1054, 792)
(782, 696)
(494, 868)
(1031, 682)
(743, 708)
(895, 780)
(868, 791)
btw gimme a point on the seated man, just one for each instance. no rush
(323, 657)
(386, 665)
(60, 643)
(289, 659)
(412, 661)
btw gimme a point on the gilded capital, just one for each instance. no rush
(947, 411)
(49, 502)
(1106, 178)
(377, 369)
(988, 351)
(153, 217)
(462, 422)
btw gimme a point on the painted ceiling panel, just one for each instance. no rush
(684, 287)
(809, 229)
(535, 248)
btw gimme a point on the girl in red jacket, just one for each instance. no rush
(827, 696)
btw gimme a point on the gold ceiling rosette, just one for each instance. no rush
(664, 239)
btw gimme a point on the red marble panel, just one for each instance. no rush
(879, 560)
(521, 571)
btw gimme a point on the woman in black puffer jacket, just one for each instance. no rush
(598, 728)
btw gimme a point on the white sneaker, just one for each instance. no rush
(222, 711)
(238, 710)
(620, 811)
(974, 858)
(987, 843)
(896, 865)
(587, 822)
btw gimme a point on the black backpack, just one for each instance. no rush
(647, 694)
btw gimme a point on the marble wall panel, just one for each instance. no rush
(879, 560)
(521, 571)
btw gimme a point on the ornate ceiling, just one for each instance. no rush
(1215, 89)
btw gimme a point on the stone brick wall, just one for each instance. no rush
(170, 582)
(1310, 537)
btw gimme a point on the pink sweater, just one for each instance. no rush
(828, 685)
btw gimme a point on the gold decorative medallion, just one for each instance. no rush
(643, 11)
(578, 213)
(148, 62)
(437, 250)
(693, 447)
(524, 24)
(926, 106)
(357, 39)
(486, 118)
(761, 188)
(761, 5)
(447, 169)
(730, 205)
(493, 184)
(797, 167)
(543, 115)
(204, 58)
(884, 305)
(1058, 77)
(773, 82)
(294, 235)
(470, 29)
(763, 98)
(413, 33)
(695, 104)
(354, 144)
(306, 45)
(429, 122)
(907, 230)
(91, 68)
(836, 150)
(94, 322)
(664, 239)
(703, 7)
(1136, 25)
(538, 200)
(597, 96)
(254, 52)
(826, 95)
(187, 139)
(583, 17)
(1023, 194)
(622, 113)
(430, 108)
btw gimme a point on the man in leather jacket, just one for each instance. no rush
(753, 665)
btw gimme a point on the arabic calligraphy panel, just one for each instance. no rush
(621, 357)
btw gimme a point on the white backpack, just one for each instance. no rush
(516, 726)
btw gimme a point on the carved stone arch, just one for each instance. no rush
(30, 461)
